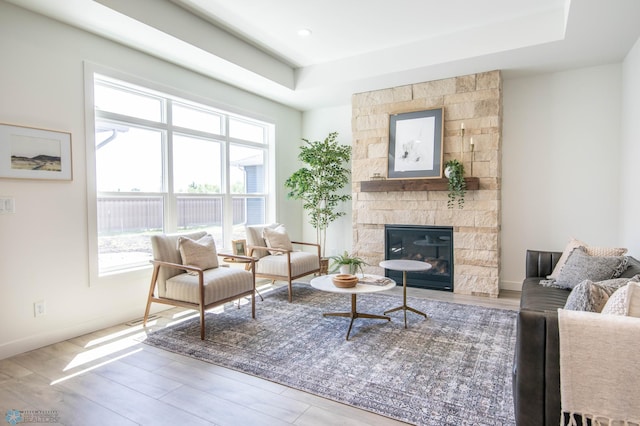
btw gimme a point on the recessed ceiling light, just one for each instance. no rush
(304, 32)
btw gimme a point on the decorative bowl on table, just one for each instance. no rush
(345, 280)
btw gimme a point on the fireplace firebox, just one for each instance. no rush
(431, 244)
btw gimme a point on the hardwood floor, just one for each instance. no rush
(110, 378)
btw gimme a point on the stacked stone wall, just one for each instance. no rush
(476, 101)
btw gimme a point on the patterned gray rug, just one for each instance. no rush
(451, 369)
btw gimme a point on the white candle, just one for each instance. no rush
(462, 126)
(471, 141)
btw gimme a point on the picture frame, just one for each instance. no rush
(239, 247)
(415, 144)
(31, 153)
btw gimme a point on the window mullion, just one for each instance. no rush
(171, 202)
(227, 216)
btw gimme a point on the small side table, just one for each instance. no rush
(405, 265)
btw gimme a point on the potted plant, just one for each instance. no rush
(348, 264)
(319, 181)
(454, 171)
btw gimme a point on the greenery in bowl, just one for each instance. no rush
(355, 263)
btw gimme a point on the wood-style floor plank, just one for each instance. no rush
(217, 410)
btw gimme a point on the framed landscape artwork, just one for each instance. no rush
(415, 144)
(29, 153)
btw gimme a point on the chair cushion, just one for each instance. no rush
(200, 254)
(277, 238)
(219, 284)
(165, 248)
(255, 238)
(301, 263)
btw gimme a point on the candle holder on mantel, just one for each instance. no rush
(471, 145)
(473, 153)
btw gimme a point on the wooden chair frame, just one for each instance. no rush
(289, 278)
(200, 307)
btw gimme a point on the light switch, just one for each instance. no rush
(7, 205)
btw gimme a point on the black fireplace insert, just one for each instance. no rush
(431, 244)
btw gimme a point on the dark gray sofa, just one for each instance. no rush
(536, 366)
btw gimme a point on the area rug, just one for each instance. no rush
(453, 368)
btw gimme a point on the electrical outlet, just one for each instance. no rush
(39, 309)
(7, 205)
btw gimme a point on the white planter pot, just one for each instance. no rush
(447, 172)
(345, 269)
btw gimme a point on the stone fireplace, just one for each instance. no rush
(476, 101)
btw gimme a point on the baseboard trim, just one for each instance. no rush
(511, 285)
(36, 341)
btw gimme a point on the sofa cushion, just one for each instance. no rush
(580, 266)
(200, 254)
(633, 268)
(573, 243)
(536, 297)
(625, 301)
(591, 251)
(591, 296)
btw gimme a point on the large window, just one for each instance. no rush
(164, 164)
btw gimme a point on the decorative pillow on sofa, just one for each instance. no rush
(625, 301)
(592, 296)
(591, 251)
(277, 238)
(580, 266)
(200, 254)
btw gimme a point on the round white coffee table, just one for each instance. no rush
(368, 284)
(405, 265)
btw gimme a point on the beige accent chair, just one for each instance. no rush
(201, 289)
(279, 264)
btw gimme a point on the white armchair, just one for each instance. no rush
(186, 274)
(277, 260)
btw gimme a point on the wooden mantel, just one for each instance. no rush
(390, 185)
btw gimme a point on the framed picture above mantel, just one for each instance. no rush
(415, 144)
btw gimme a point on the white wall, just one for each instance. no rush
(43, 246)
(630, 153)
(561, 163)
(316, 125)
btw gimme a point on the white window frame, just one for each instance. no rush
(170, 216)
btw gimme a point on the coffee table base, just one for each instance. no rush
(354, 314)
(406, 308)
